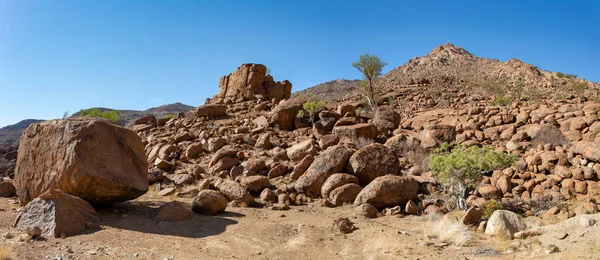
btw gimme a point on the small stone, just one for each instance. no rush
(8, 236)
(34, 231)
(587, 221)
(344, 225)
(552, 249)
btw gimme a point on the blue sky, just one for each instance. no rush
(58, 56)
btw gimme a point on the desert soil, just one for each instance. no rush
(130, 231)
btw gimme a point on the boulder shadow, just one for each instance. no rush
(141, 217)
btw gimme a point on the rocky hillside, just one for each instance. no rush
(251, 149)
(453, 68)
(338, 89)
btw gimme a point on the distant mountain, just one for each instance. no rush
(11, 134)
(128, 116)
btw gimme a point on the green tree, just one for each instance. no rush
(370, 66)
(311, 108)
(461, 167)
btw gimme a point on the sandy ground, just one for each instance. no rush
(130, 231)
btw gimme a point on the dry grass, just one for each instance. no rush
(5, 253)
(420, 157)
(447, 230)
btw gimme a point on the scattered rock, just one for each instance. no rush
(173, 211)
(57, 214)
(209, 202)
(343, 225)
(331, 161)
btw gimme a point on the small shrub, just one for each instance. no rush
(579, 87)
(542, 204)
(563, 75)
(310, 108)
(391, 99)
(419, 157)
(170, 116)
(501, 100)
(461, 167)
(359, 111)
(112, 115)
(489, 207)
(449, 231)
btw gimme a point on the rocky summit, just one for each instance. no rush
(251, 172)
(251, 82)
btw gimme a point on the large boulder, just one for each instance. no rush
(356, 132)
(435, 135)
(211, 110)
(89, 158)
(251, 82)
(372, 161)
(209, 202)
(332, 160)
(56, 214)
(388, 191)
(589, 150)
(284, 114)
(336, 180)
(505, 223)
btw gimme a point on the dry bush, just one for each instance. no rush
(550, 135)
(362, 142)
(447, 230)
(5, 253)
(420, 157)
(542, 204)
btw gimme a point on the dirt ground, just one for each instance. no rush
(130, 231)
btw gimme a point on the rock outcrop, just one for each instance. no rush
(92, 159)
(250, 82)
(57, 214)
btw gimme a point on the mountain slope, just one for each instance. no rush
(332, 90)
(451, 68)
(11, 134)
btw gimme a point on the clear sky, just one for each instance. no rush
(58, 56)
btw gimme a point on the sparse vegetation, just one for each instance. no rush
(501, 100)
(561, 75)
(489, 207)
(310, 108)
(579, 88)
(460, 167)
(542, 204)
(446, 230)
(112, 115)
(370, 66)
(170, 116)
